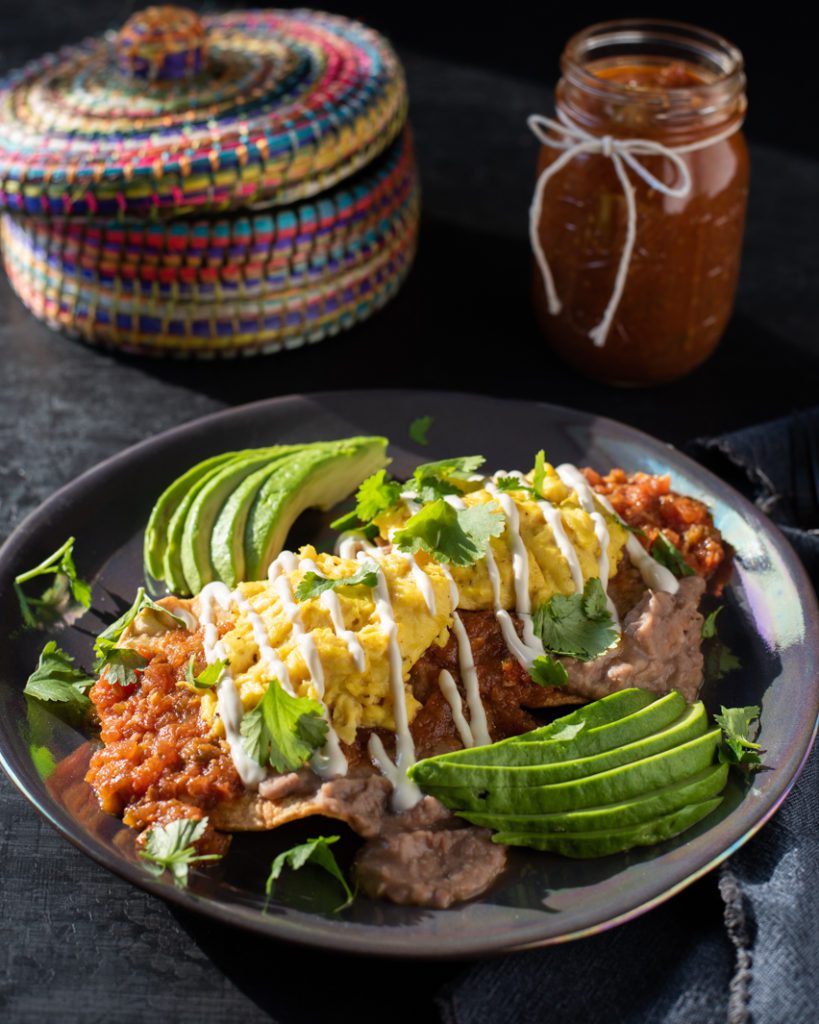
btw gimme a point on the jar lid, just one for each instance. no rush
(176, 113)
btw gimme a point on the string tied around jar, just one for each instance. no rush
(625, 156)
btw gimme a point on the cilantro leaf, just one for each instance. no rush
(430, 488)
(579, 626)
(315, 851)
(56, 678)
(433, 480)
(122, 665)
(459, 468)
(375, 496)
(629, 528)
(208, 677)
(312, 585)
(61, 566)
(548, 672)
(664, 552)
(719, 659)
(736, 747)
(539, 474)
(283, 731)
(709, 626)
(171, 847)
(459, 536)
(107, 640)
(511, 483)
(419, 429)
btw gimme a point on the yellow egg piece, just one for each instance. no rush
(336, 646)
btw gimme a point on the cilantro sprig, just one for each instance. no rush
(737, 748)
(106, 642)
(170, 848)
(315, 851)
(539, 473)
(313, 584)
(61, 566)
(664, 552)
(545, 671)
(718, 657)
(210, 675)
(56, 678)
(419, 429)
(578, 626)
(433, 480)
(375, 496)
(122, 665)
(283, 731)
(456, 536)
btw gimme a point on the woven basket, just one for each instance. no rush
(117, 156)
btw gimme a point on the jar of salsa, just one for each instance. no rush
(639, 208)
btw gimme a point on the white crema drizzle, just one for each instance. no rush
(406, 793)
(469, 675)
(453, 698)
(574, 480)
(229, 702)
(330, 760)
(330, 603)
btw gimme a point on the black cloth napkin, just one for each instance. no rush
(742, 944)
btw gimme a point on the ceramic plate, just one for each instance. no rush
(770, 620)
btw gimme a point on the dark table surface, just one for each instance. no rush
(77, 943)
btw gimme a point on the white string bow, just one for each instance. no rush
(623, 153)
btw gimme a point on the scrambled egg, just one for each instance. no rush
(549, 572)
(354, 699)
(363, 699)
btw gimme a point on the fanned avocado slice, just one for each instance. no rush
(566, 729)
(603, 843)
(574, 742)
(703, 786)
(172, 572)
(210, 497)
(637, 778)
(503, 780)
(319, 477)
(166, 504)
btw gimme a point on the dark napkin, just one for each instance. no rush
(742, 944)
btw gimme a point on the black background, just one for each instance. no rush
(521, 39)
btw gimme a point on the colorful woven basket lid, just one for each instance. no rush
(176, 113)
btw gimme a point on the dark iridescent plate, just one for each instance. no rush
(771, 621)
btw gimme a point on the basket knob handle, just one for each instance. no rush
(161, 44)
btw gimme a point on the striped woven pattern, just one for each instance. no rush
(223, 286)
(286, 105)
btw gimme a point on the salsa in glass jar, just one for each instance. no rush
(662, 84)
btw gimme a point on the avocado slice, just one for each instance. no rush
(210, 497)
(172, 572)
(627, 781)
(657, 715)
(503, 781)
(164, 508)
(603, 843)
(601, 712)
(227, 541)
(227, 548)
(702, 786)
(315, 477)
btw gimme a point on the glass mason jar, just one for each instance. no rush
(680, 87)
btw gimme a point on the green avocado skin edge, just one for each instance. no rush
(618, 773)
(601, 844)
(227, 517)
(166, 505)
